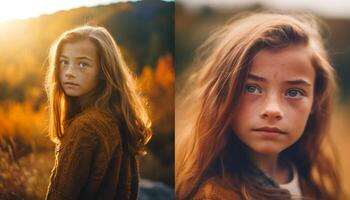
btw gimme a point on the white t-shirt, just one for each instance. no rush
(293, 186)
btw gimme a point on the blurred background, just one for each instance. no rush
(197, 19)
(144, 31)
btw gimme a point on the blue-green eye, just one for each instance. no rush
(294, 93)
(83, 65)
(252, 89)
(63, 62)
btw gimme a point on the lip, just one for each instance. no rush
(70, 84)
(270, 130)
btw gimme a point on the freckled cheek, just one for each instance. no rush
(91, 79)
(251, 105)
(245, 111)
(297, 113)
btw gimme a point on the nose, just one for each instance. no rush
(69, 72)
(272, 109)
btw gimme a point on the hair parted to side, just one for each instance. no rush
(116, 93)
(205, 144)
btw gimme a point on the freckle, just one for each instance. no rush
(275, 74)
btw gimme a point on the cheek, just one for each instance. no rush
(60, 74)
(92, 78)
(248, 106)
(298, 115)
(244, 110)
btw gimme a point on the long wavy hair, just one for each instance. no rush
(116, 93)
(205, 144)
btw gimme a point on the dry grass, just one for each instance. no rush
(27, 178)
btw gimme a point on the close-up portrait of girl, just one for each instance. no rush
(97, 118)
(252, 119)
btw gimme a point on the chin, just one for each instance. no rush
(268, 149)
(72, 94)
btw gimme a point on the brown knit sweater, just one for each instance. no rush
(215, 189)
(92, 161)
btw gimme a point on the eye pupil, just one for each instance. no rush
(293, 93)
(251, 89)
(83, 65)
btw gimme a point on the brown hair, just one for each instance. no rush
(203, 117)
(116, 93)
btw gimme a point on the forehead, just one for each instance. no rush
(287, 63)
(79, 48)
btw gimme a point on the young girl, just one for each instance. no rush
(258, 110)
(97, 118)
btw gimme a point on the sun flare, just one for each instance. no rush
(19, 9)
(22, 9)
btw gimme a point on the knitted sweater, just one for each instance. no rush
(92, 161)
(215, 188)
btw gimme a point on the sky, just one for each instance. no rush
(329, 8)
(22, 9)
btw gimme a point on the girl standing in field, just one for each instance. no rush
(257, 113)
(97, 118)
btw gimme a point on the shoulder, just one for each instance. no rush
(95, 119)
(215, 188)
(93, 123)
(93, 116)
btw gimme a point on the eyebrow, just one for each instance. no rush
(298, 82)
(79, 57)
(289, 82)
(256, 78)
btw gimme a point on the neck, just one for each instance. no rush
(85, 101)
(267, 163)
(271, 166)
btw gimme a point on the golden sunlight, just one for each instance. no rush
(22, 9)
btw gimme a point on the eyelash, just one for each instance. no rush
(259, 90)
